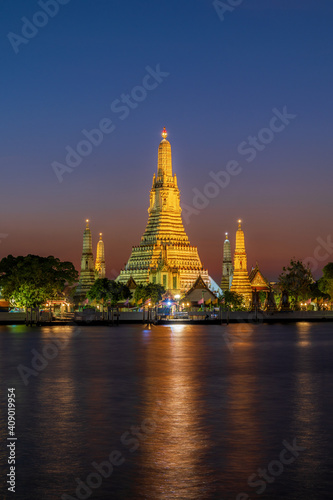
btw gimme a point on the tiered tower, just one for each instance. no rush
(100, 258)
(227, 269)
(87, 274)
(240, 281)
(164, 255)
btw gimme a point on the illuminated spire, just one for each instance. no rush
(87, 274)
(227, 268)
(164, 255)
(240, 242)
(100, 258)
(240, 282)
(164, 163)
(87, 243)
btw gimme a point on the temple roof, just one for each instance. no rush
(198, 291)
(131, 283)
(257, 279)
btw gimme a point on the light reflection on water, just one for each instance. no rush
(218, 414)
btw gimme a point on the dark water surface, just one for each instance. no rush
(186, 412)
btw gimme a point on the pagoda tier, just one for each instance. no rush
(240, 281)
(100, 258)
(227, 268)
(164, 255)
(87, 274)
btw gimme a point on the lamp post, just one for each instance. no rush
(177, 297)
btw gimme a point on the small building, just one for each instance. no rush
(198, 295)
(258, 281)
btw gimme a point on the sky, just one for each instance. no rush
(245, 93)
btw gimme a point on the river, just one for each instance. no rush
(182, 412)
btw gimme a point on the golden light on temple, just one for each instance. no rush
(164, 255)
(100, 258)
(240, 281)
(87, 273)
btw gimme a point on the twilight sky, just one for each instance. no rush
(220, 81)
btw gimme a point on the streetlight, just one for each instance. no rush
(177, 297)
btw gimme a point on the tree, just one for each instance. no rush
(232, 300)
(118, 292)
(296, 280)
(32, 280)
(151, 291)
(99, 291)
(317, 293)
(325, 283)
(107, 291)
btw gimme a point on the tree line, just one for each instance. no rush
(32, 281)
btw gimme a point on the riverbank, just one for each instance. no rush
(207, 318)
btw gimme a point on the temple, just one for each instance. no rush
(165, 255)
(227, 268)
(100, 259)
(258, 281)
(240, 281)
(87, 274)
(198, 295)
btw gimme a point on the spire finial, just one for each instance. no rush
(164, 133)
(87, 223)
(100, 235)
(239, 224)
(226, 236)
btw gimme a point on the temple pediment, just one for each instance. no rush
(257, 280)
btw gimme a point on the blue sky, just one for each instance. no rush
(224, 80)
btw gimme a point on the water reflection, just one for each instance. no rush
(244, 439)
(306, 407)
(216, 415)
(173, 458)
